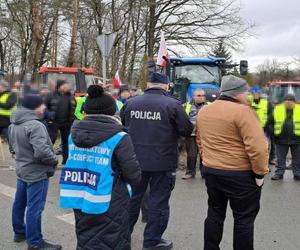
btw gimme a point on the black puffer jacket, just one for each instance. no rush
(63, 107)
(109, 230)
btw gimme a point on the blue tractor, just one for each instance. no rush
(188, 74)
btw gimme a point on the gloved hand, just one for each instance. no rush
(259, 182)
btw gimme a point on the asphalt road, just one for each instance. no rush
(277, 226)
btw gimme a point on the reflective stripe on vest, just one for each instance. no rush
(80, 101)
(280, 116)
(3, 100)
(261, 109)
(87, 179)
(296, 119)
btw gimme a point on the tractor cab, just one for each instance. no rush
(188, 74)
(279, 89)
(79, 78)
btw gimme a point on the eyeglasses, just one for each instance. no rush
(199, 95)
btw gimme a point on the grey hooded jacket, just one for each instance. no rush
(29, 140)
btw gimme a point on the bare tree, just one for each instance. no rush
(71, 57)
(63, 32)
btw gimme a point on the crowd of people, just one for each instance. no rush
(120, 152)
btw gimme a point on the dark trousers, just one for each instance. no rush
(64, 134)
(145, 205)
(244, 196)
(33, 197)
(281, 153)
(192, 155)
(161, 185)
(272, 149)
(4, 132)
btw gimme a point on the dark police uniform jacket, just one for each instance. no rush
(155, 120)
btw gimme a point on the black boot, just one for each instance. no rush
(276, 177)
(45, 246)
(162, 245)
(19, 238)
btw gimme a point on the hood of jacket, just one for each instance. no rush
(94, 130)
(22, 115)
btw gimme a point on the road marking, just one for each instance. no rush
(10, 192)
(7, 191)
(68, 218)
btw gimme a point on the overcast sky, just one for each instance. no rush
(277, 29)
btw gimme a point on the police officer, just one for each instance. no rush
(192, 108)
(95, 180)
(285, 123)
(155, 121)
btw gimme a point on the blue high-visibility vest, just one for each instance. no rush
(86, 181)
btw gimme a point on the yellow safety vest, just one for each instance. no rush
(3, 100)
(119, 105)
(250, 98)
(188, 107)
(80, 101)
(261, 109)
(280, 116)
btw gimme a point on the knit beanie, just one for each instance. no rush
(98, 102)
(31, 101)
(232, 86)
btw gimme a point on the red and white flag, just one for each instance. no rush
(117, 81)
(163, 55)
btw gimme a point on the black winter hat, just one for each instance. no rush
(98, 102)
(59, 83)
(31, 101)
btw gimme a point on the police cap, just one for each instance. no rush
(159, 78)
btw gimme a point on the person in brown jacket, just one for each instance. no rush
(234, 150)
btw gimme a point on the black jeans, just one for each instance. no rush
(64, 134)
(161, 185)
(192, 155)
(244, 198)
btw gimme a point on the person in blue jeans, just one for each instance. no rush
(35, 164)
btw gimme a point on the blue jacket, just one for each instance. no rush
(155, 121)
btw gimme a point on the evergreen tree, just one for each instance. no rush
(220, 50)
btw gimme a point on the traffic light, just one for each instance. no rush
(243, 67)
